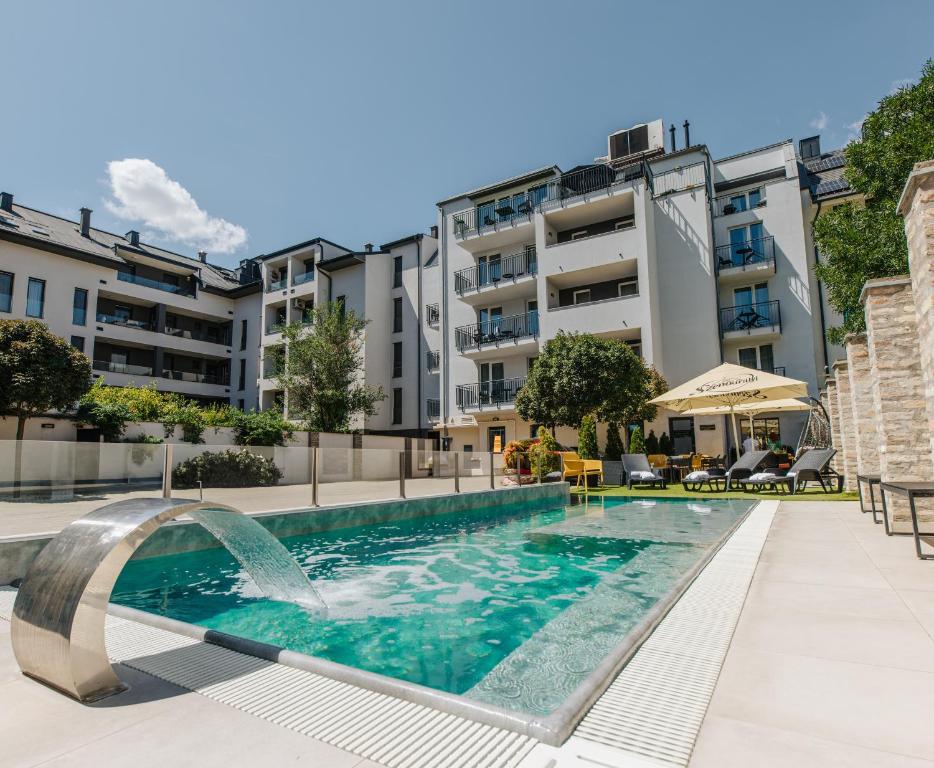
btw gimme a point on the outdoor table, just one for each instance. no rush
(911, 490)
(870, 480)
(747, 253)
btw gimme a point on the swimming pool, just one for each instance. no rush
(513, 606)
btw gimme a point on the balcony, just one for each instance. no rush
(433, 409)
(748, 258)
(497, 331)
(115, 367)
(432, 315)
(125, 322)
(218, 336)
(432, 361)
(737, 202)
(277, 285)
(493, 274)
(760, 319)
(489, 394)
(301, 279)
(494, 215)
(197, 378)
(159, 285)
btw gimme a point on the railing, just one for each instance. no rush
(496, 330)
(515, 265)
(746, 317)
(277, 328)
(433, 314)
(277, 285)
(434, 409)
(302, 278)
(114, 367)
(433, 360)
(724, 205)
(679, 179)
(221, 337)
(506, 211)
(747, 253)
(197, 378)
(143, 325)
(129, 277)
(489, 393)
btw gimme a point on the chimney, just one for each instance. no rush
(368, 247)
(133, 237)
(671, 130)
(85, 222)
(6, 202)
(687, 134)
(434, 231)
(203, 257)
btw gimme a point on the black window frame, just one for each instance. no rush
(397, 405)
(397, 315)
(241, 376)
(397, 359)
(41, 282)
(7, 296)
(75, 308)
(78, 343)
(397, 271)
(243, 333)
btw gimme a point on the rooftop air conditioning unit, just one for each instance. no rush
(638, 140)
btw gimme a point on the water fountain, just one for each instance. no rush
(61, 607)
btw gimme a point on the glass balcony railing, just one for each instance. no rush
(303, 278)
(277, 285)
(196, 377)
(215, 337)
(112, 366)
(126, 322)
(489, 393)
(159, 285)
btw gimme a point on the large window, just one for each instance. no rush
(751, 294)
(746, 243)
(79, 307)
(35, 297)
(6, 291)
(241, 379)
(397, 272)
(243, 329)
(78, 343)
(397, 406)
(396, 359)
(397, 315)
(757, 357)
(766, 430)
(681, 429)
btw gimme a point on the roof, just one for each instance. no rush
(300, 246)
(345, 260)
(401, 241)
(826, 175)
(523, 178)
(49, 232)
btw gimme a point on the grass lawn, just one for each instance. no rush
(676, 491)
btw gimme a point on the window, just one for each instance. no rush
(468, 448)
(628, 286)
(241, 379)
(6, 291)
(635, 346)
(757, 294)
(35, 297)
(748, 357)
(579, 234)
(681, 429)
(78, 343)
(79, 307)
(396, 271)
(397, 405)
(396, 359)
(530, 363)
(397, 315)
(582, 296)
(123, 313)
(746, 243)
(243, 334)
(767, 432)
(757, 357)
(241, 404)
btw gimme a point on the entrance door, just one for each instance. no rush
(496, 439)
(682, 434)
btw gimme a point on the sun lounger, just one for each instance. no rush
(812, 465)
(747, 464)
(638, 471)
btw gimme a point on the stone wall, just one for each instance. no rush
(863, 406)
(829, 399)
(847, 445)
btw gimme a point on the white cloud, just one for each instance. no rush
(820, 122)
(856, 128)
(143, 192)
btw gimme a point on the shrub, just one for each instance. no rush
(587, 438)
(614, 443)
(543, 455)
(188, 414)
(142, 403)
(219, 415)
(227, 469)
(651, 443)
(664, 444)
(109, 417)
(636, 441)
(513, 449)
(261, 428)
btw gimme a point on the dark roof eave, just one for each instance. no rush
(342, 262)
(401, 241)
(299, 246)
(539, 173)
(57, 248)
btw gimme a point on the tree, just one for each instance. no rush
(860, 241)
(578, 374)
(587, 438)
(39, 371)
(630, 401)
(614, 444)
(543, 455)
(323, 369)
(664, 444)
(651, 443)
(636, 443)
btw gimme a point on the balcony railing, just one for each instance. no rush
(496, 330)
(433, 360)
(302, 278)
(434, 409)
(277, 285)
(747, 317)
(489, 393)
(433, 314)
(126, 322)
(197, 378)
(511, 267)
(115, 367)
(746, 254)
(129, 277)
(221, 337)
(737, 202)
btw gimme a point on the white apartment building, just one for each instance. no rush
(693, 261)
(144, 314)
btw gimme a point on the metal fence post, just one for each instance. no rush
(167, 472)
(492, 476)
(457, 473)
(402, 474)
(314, 476)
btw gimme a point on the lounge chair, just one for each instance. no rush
(575, 468)
(811, 465)
(637, 469)
(715, 480)
(746, 465)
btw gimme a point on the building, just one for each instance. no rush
(691, 260)
(145, 314)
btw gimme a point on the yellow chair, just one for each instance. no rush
(658, 460)
(575, 467)
(697, 461)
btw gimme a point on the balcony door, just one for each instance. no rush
(491, 382)
(751, 294)
(744, 242)
(489, 268)
(531, 307)
(495, 439)
(489, 320)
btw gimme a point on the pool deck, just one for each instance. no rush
(831, 664)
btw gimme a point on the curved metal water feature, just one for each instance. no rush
(60, 609)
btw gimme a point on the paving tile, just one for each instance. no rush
(921, 605)
(881, 603)
(845, 572)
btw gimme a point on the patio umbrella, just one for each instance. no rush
(751, 409)
(729, 386)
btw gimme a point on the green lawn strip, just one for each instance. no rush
(678, 492)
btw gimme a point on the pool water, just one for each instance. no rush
(512, 606)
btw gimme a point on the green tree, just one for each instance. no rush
(39, 372)
(860, 241)
(664, 444)
(323, 369)
(651, 443)
(614, 444)
(636, 443)
(543, 455)
(630, 401)
(587, 438)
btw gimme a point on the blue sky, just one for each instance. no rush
(256, 125)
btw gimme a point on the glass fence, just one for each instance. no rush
(44, 485)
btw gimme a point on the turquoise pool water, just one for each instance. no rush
(512, 606)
